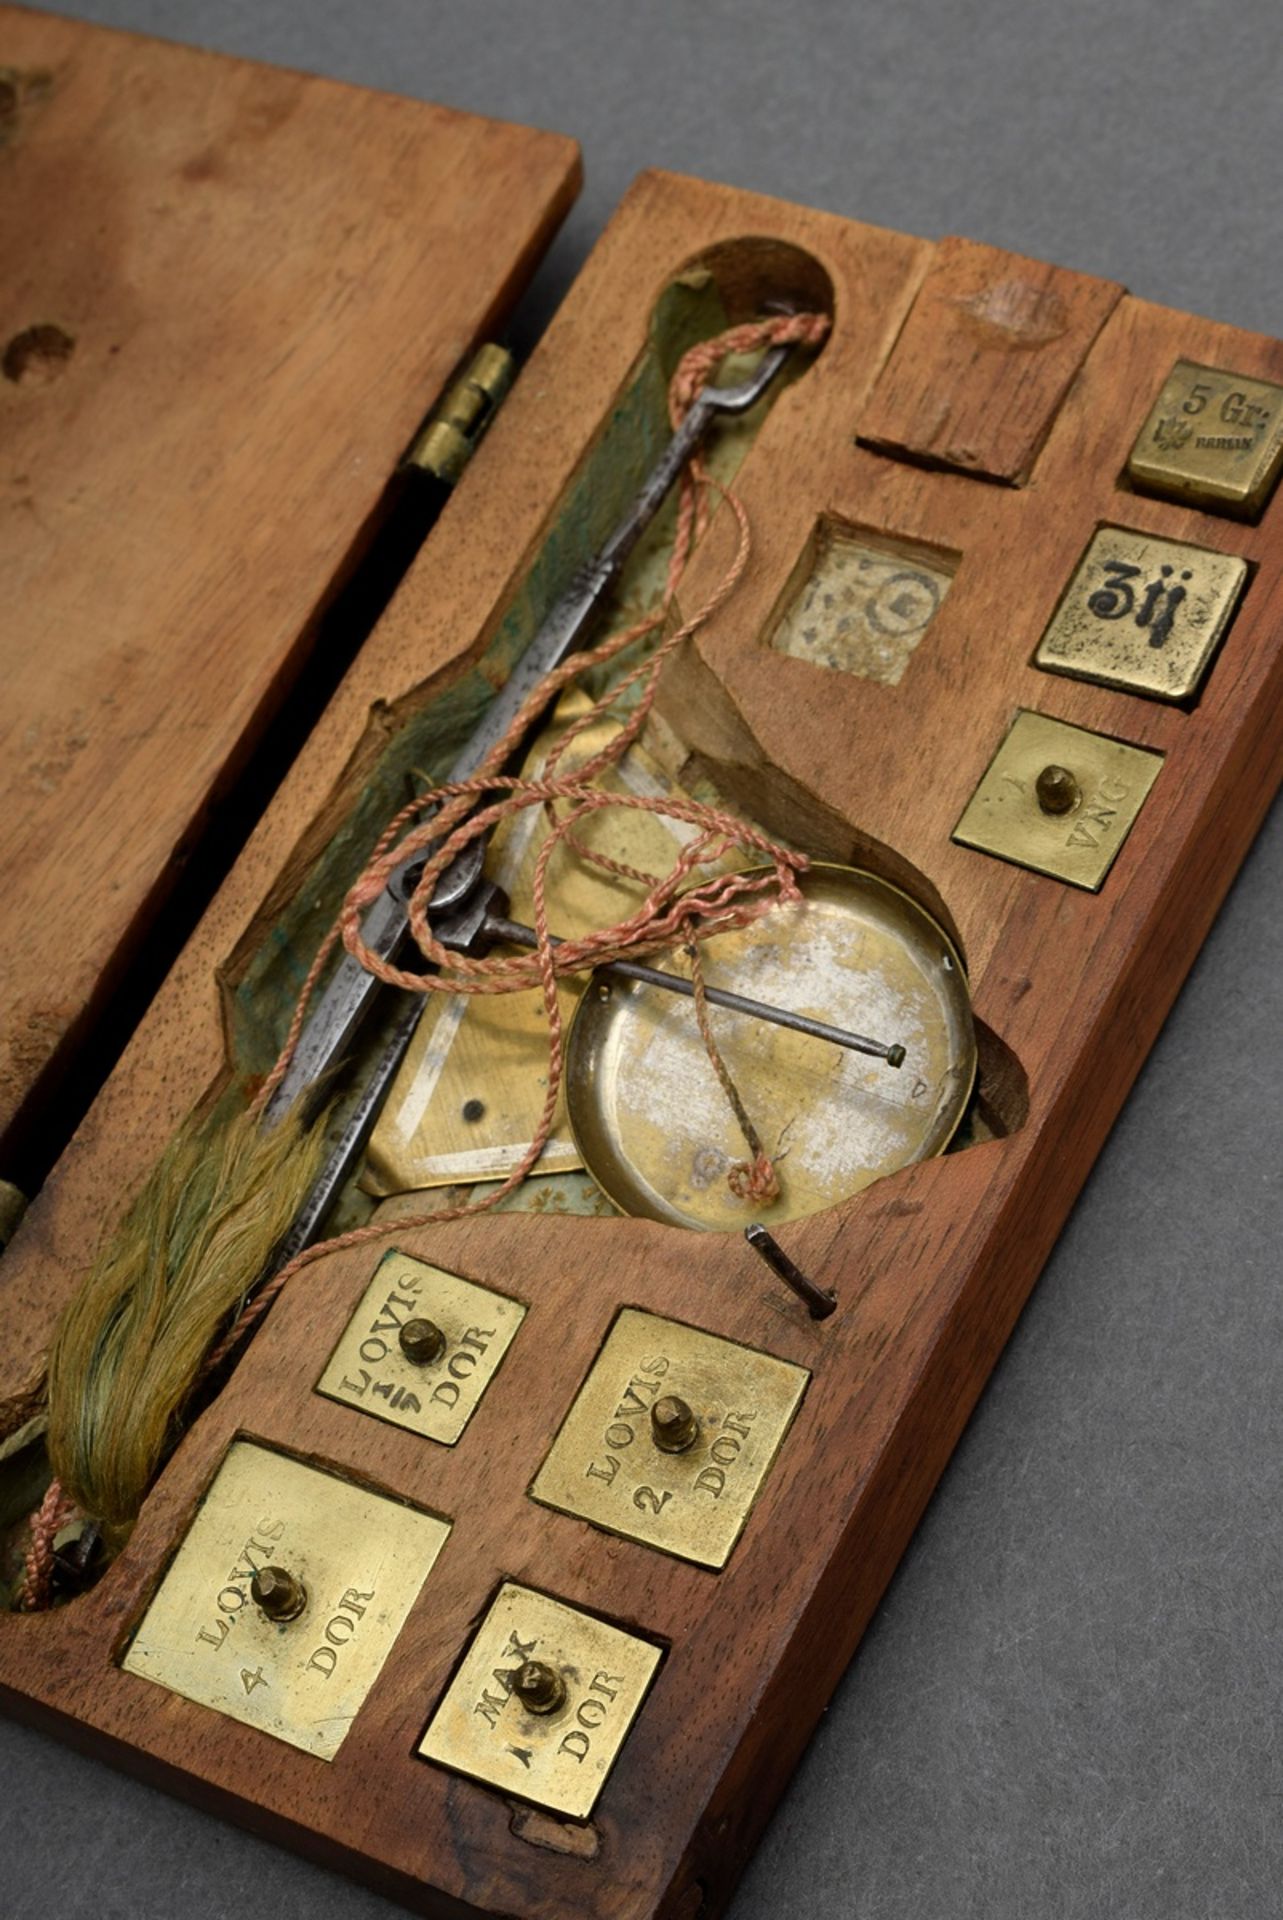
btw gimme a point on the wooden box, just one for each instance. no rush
(970, 405)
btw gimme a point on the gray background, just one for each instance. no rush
(1067, 1704)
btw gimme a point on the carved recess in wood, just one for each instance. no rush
(859, 606)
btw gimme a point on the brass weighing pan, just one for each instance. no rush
(655, 1128)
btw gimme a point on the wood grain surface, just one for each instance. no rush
(230, 294)
(985, 359)
(930, 1267)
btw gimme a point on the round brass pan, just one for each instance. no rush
(652, 1123)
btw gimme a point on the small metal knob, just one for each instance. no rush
(422, 1341)
(1057, 790)
(673, 1426)
(539, 1688)
(277, 1593)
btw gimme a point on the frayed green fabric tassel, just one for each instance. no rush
(130, 1346)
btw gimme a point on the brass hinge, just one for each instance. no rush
(448, 440)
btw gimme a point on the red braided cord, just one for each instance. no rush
(47, 1521)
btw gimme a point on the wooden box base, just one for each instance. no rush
(931, 1266)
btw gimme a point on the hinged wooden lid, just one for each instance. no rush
(230, 295)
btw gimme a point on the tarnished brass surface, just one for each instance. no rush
(673, 1425)
(1143, 614)
(539, 1688)
(278, 1593)
(422, 1342)
(606, 1466)
(862, 609)
(1007, 817)
(371, 1369)
(586, 1681)
(357, 1561)
(1056, 790)
(655, 1128)
(469, 1096)
(1214, 438)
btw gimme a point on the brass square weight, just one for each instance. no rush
(1213, 438)
(1058, 799)
(671, 1437)
(421, 1348)
(1143, 614)
(542, 1701)
(284, 1599)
